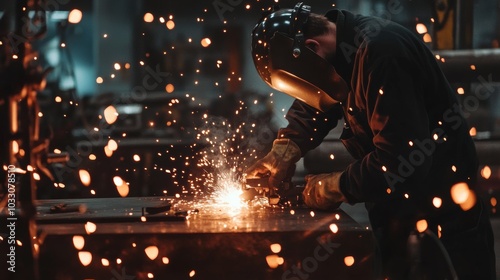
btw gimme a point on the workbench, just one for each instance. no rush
(187, 239)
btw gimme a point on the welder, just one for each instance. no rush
(402, 124)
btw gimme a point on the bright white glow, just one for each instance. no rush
(75, 16)
(78, 242)
(228, 193)
(112, 145)
(84, 177)
(421, 28)
(121, 186)
(85, 257)
(151, 252)
(437, 202)
(118, 181)
(90, 227)
(110, 114)
(276, 248)
(334, 228)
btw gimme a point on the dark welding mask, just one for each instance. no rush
(286, 64)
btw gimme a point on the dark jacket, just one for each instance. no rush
(402, 124)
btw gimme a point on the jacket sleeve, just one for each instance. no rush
(391, 94)
(307, 127)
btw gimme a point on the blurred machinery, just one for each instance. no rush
(24, 153)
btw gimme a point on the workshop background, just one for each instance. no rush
(131, 98)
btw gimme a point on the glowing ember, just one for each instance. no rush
(473, 131)
(165, 260)
(107, 151)
(205, 42)
(421, 28)
(85, 257)
(112, 145)
(75, 16)
(90, 227)
(334, 228)
(192, 273)
(148, 17)
(110, 114)
(276, 248)
(151, 252)
(421, 225)
(273, 261)
(486, 172)
(123, 189)
(493, 201)
(349, 260)
(463, 196)
(84, 177)
(427, 38)
(436, 201)
(118, 181)
(169, 88)
(105, 262)
(170, 24)
(460, 193)
(78, 242)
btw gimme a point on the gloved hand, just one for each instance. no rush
(278, 162)
(322, 191)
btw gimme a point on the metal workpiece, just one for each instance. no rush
(287, 193)
(201, 239)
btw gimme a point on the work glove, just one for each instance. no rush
(322, 191)
(278, 163)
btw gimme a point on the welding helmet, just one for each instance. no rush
(286, 64)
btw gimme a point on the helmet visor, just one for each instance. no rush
(308, 77)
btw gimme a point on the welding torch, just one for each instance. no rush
(285, 192)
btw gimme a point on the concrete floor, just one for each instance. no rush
(358, 213)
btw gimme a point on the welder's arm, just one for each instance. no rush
(307, 127)
(397, 116)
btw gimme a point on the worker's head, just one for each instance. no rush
(291, 50)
